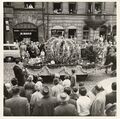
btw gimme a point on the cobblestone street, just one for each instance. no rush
(93, 78)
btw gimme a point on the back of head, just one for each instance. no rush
(114, 86)
(56, 81)
(17, 61)
(38, 86)
(81, 84)
(73, 71)
(45, 90)
(67, 90)
(82, 91)
(14, 81)
(75, 89)
(67, 77)
(15, 90)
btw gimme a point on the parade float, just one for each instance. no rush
(61, 56)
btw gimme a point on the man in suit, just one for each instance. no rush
(111, 97)
(65, 108)
(45, 106)
(19, 105)
(18, 73)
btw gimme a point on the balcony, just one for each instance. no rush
(95, 20)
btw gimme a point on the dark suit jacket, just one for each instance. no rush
(19, 106)
(65, 110)
(45, 107)
(7, 111)
(19, 75)
(111, 98)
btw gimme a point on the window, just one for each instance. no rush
(89, 7)
(29, 5)
(85, 32)
(7, 3)
(57, 32)
(72, 33)
(98, 8)
(72, 8)
(57, 8)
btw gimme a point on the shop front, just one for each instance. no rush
(25, 31)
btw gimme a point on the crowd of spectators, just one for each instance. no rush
(64, 98)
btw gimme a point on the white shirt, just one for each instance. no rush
(83, 105)
(66, 83)
(57, 89)
(35, 97)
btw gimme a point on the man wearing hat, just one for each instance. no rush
(65, 108)
(98, 105)
(45, 106)
(19, 105)
(110, 109)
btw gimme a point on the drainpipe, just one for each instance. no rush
(43, 19)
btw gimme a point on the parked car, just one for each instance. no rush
(11, 52)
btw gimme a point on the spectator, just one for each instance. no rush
(111, 97)
(58, 76)
(45, 106)
(110, 109)
(67, 90)
(73, 78)
(66, 82)
(57, 88)
(29, 87)
(74, 94)
(7, 111)
(65, 108)
(83, 103)
(19, 75)
(37, 95)
(98, 105)
(19, 105)
(6, 93)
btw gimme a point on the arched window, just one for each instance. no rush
(85, 32)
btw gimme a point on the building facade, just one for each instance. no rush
(38, 21)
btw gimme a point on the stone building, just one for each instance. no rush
(38, 21)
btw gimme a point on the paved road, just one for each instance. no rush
(94, 77)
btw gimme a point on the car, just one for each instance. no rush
(11, 52)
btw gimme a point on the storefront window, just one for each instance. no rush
(57, 8)
(85, 32)
(29, 5)
(71, 33)
(57, 32)
(72, 8)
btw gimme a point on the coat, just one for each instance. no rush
(98, 105)
(45, 107)
(19, 106)
(111, 98)
(7, 111)
(19, 75)
(65, 110)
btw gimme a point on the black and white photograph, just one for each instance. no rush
(60, 58)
